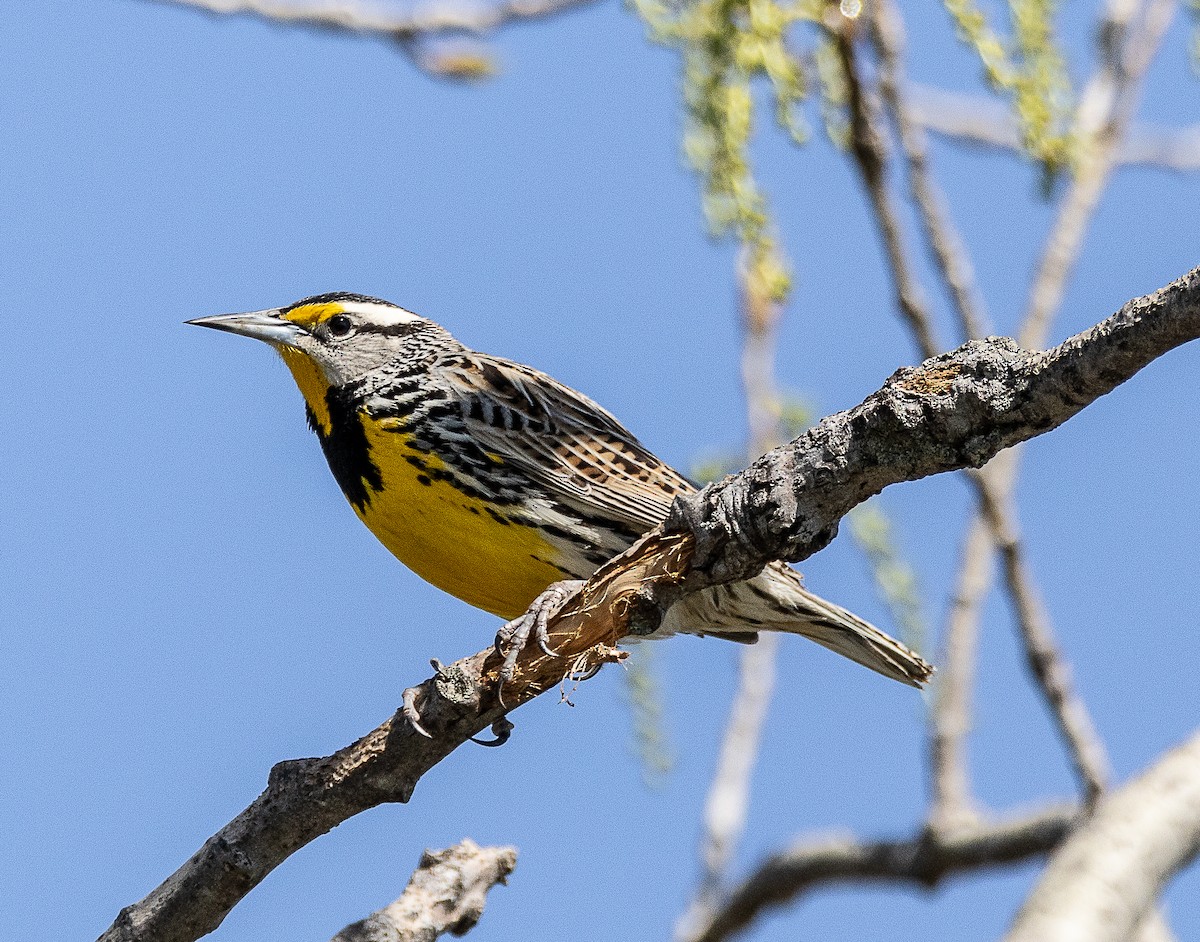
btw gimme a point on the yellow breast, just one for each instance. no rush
(450, 538)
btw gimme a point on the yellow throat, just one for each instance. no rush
(449, 538)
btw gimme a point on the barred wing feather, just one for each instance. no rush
(562, 440)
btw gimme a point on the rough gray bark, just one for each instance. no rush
(956, 410)
(446, 893)
(1108, 875)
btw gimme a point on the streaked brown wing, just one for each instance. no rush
(561, 439)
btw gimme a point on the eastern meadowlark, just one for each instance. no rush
(498, 484)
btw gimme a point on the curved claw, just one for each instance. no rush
(508, 669)
(501, 729)
(408, 707)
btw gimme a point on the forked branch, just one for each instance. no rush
(1108, 875)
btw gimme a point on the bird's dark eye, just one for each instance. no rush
(340, 326)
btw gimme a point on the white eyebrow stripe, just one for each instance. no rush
(383, 315)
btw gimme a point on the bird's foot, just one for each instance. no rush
(512, 638)
(411, 711)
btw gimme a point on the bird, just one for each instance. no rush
(504, 487)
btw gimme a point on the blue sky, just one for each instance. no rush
(187, 598)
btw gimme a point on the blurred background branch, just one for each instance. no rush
(923, 860)
(420, 30)
(728, 802)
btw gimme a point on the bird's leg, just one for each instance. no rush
(512, 638)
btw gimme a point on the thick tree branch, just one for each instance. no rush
(1108, 875)
(953, 411)
(446, 893)
(923, 860)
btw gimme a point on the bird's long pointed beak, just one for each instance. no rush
(268, 326)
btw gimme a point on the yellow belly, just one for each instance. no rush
(447, 537)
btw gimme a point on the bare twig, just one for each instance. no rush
(949, 779)
(953, 411)
(729, 793)
(1168, 148)
(389, 22)
(923, 860)
(887, 33)
(1108, 875)
(728, 801)
(986, 122)
(413, 29)
(1075, 724)
(446, 893)
(868, 143)
(1105, 109)
(951, 799)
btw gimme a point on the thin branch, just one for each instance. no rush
(954, 411)
(923, 860)
(1075, 725)
(1118, 83)
(728, 801)
(986, 122)
(1108, 875)
(446, 893)
(951, 800)
(1168, 148)
(373, 19)
(950, 779)
(728, 798)
(949, 251)
(1105, 108)
(868, 144)
(412, 30)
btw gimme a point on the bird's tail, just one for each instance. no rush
(776, 600)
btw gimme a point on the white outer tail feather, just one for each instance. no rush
(776, 600)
